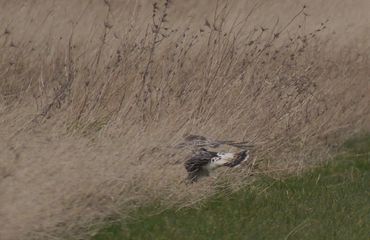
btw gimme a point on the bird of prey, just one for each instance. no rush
(203, 161)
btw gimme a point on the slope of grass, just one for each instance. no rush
(330, 202)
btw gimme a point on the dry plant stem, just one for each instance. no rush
(156, 30)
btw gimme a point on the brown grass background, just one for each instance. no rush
(93, 97)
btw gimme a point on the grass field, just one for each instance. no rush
(330, 202)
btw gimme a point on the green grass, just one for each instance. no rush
(330, 202)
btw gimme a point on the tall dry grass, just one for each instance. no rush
(95, 94)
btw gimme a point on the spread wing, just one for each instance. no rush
(194, 165)
(197, 141)
(239, 158)
(199, 159)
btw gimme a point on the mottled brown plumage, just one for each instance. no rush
(203, 161)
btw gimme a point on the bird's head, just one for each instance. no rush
(221, 159)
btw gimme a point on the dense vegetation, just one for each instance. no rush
(96, 96)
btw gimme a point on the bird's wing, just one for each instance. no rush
(240, 157)
(195, 175)
(204, 153)
(195, 163)
(200, 158)
(197, 141)
(194, 167)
